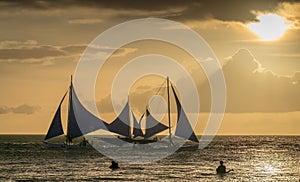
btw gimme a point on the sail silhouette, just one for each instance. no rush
(121, 125)
(137, 131)
(80, 121)
(73, 129)
(85, 120)
(153, 126)
(183, 127)
(56, 128)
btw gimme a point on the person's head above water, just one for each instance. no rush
(221, 162)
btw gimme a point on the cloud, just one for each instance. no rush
(73, 49)
(242, 60)
(4, 110)
(140, 98)
(12, 49)
(124, 52)
(13, 44)
(31, 52)
(296, 77)
(231, 10)
(85, 21)
(252, 88)
(21, 109)
(291, 12)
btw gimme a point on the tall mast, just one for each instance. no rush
(131, 126)
(69, 109)
(169, 117)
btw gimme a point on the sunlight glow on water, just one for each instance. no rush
(271, 169)
(253, 158)
(268, 169)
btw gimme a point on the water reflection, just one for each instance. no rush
(268, 169)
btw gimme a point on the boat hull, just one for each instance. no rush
(138, 141)
(65, 145)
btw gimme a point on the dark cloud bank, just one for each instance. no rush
(231, 10)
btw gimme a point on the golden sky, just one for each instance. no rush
(257, 43)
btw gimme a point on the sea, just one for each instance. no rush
(252, 158)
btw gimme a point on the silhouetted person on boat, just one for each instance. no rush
(114, 165)
(222, 169)
(69, 140)
(84, 142)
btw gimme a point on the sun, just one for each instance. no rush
(269, 26)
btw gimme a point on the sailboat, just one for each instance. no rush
(134, 134)
(86, 123)
(73, 129)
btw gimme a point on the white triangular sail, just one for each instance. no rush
(86, 122)
(183, 128)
